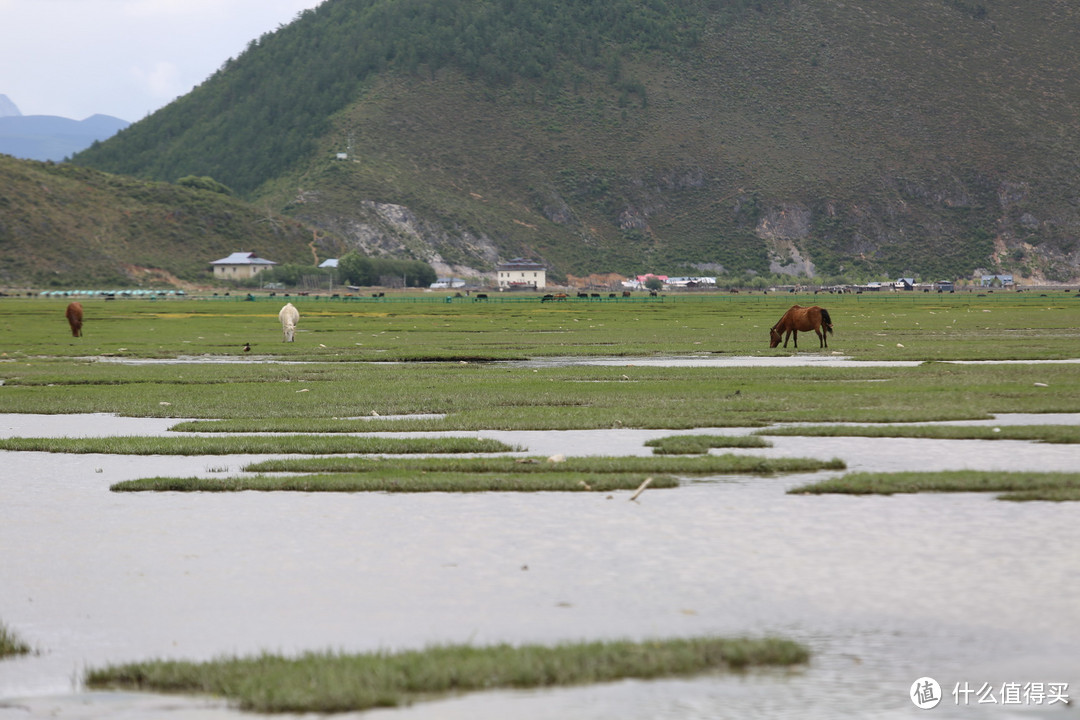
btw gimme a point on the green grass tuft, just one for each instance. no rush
(10, 643)
(701, 444)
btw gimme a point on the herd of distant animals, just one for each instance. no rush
(795, 320)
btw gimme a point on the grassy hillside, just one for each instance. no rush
(928, 138)
(66, 226)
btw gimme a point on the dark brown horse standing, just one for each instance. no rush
(74, 318)
(802, 318)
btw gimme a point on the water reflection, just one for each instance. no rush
(963, 588)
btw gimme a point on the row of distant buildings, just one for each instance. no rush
(514, 274)
(526, 274)
(244, 265)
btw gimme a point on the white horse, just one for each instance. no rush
(288, 316)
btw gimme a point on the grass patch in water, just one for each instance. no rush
(701, 444)
(1037, 433)
(330, 682)
(727, 464)
(402, 482)
(1051, 486)
(254, 445)
(490, 474)
(11, 644)
(306, 424)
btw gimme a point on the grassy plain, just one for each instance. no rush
(871, 326)
(358, 358)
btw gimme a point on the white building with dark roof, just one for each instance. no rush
(240, 266)
(521, 273)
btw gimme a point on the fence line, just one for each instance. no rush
(496, 298)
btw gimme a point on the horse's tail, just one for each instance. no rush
(826, 320)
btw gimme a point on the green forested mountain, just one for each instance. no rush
(859, 138)
(65, 226)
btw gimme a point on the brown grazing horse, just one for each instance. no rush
(802, 318)
(74, 317)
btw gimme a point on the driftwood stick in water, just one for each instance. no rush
(641, 488)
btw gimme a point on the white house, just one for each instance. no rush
(521, 273)
(996, 281)
(240, 266)
(689, 282)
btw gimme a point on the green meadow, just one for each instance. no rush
(359, 360)
(432, 362)
(871, 326)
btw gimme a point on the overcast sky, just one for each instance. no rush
(125, 58)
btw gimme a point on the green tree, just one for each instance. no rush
(204, 183)
(355, 269)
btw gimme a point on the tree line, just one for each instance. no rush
(353, 269)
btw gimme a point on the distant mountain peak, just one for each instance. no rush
(50, 137)
(8, 108)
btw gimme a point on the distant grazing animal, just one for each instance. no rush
(288, 316)
(74, 318)
(802, 318)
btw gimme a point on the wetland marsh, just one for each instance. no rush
(882, 590)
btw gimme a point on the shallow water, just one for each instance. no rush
(960, 587)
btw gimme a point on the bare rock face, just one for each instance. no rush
(386, 229)
(781, 227)
(784, 222)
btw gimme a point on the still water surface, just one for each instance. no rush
(885, 590)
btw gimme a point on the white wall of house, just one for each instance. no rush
(240, 266)
(511, 278)
(237, 272)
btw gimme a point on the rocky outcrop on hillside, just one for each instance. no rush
(389, 230)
